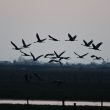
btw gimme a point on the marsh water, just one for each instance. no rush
(38, 102)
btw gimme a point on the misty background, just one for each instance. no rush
(89, 19)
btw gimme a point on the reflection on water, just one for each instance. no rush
(37, 102)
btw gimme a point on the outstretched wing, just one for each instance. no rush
(37, 35)
(93, 46)
(89, 43)
(48, 55)
(85, 54)
(24, 44)
(76, 54)
(24, 53)
(39, 57)
(66, 58)
(53, 38)
(32, 56)
(51, 61)
(70, 37)
(92, 56)
(57, 61)
(56, 54)
(99, 44)
(102, 58)
(28, 45)
(74, 37)
(50, 37)
(85, 42)
(61, 53)
(14, 44)
(43, 39)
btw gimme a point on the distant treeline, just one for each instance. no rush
(39, 64)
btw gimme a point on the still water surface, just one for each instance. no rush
(38, 102)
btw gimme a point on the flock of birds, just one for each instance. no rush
(55, 57)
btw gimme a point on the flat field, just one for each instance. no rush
(54, 83)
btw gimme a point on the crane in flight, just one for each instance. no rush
(66, 58)
(52, 38)
(24, 44)
(71, 38)
(55, 61)
(59, 55)
(81, 56)
(96, 57)
(35, 58)
(47, 55)
(87, 44)
(15, 46)
(24, 54)
(96, 47)
(39, 39)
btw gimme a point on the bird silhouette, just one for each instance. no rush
(71, 38)
(58, 56)
(24, 44)
(80, 56)
(52, 38)
(51, 54)
(16, 47)
(96, 57)
(56, 61)
(38, 39)
(24, 54)
(87, 44)
(35, 58)
(96, 47)
(66, 58)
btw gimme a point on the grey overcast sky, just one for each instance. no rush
(89, 19)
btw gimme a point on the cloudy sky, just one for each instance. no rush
(89, 19)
